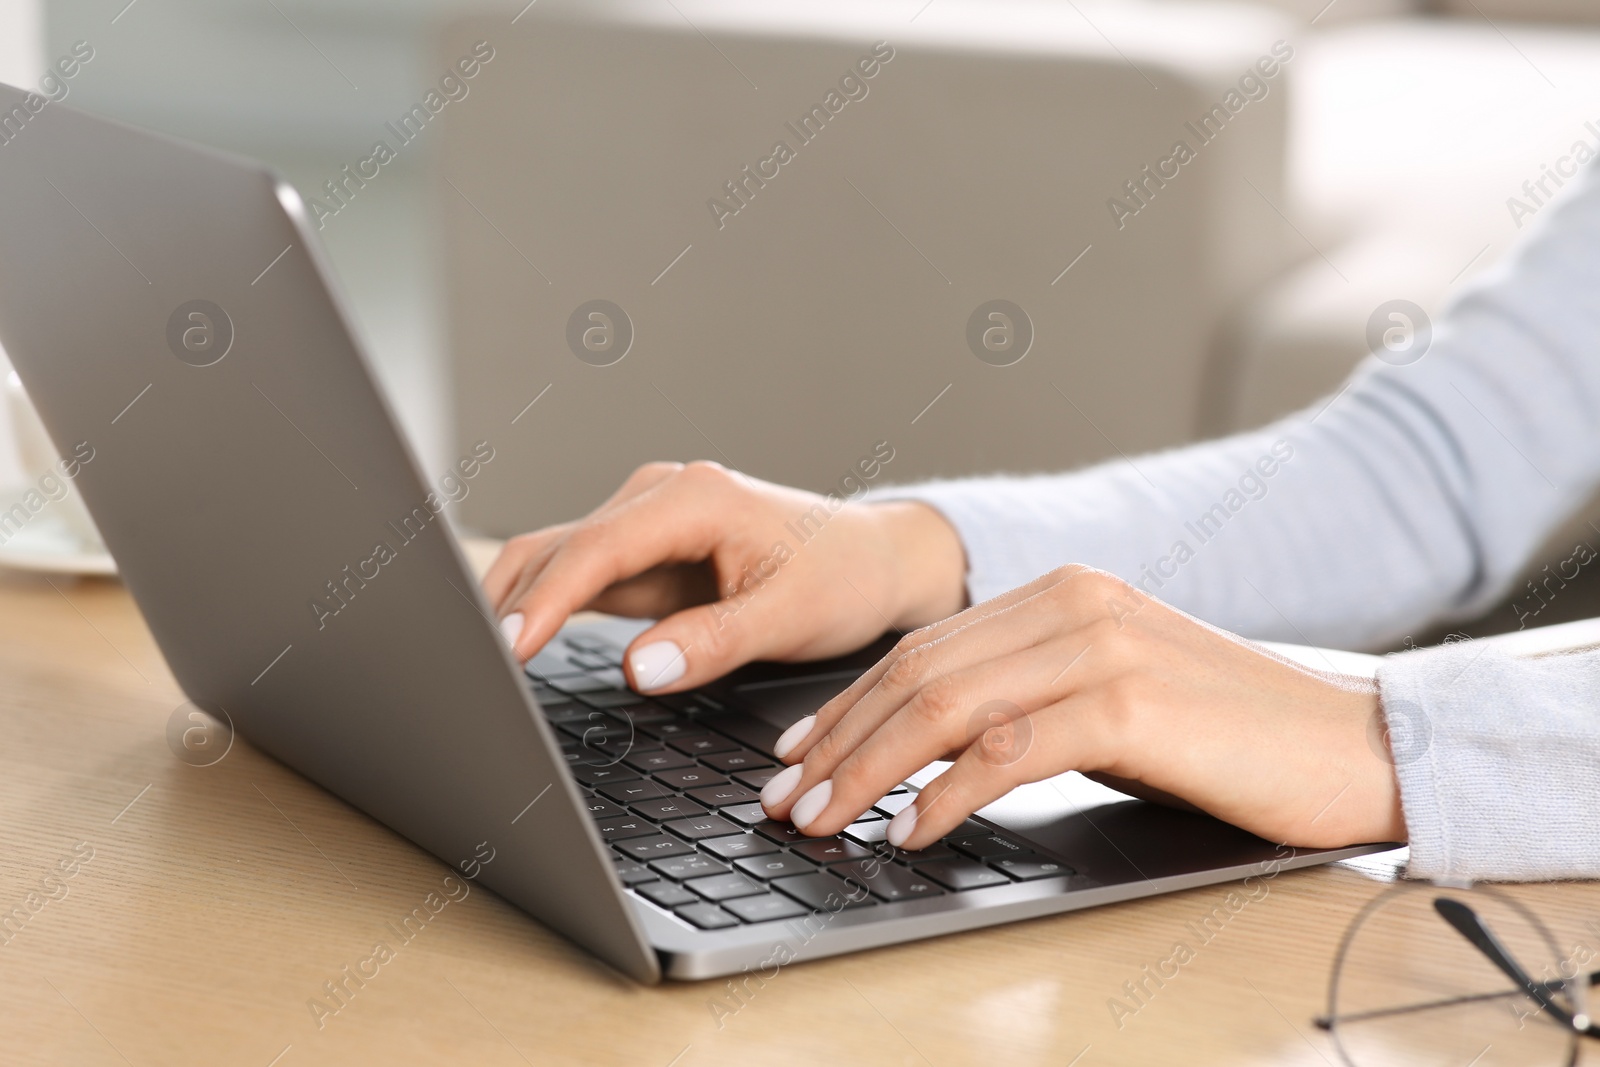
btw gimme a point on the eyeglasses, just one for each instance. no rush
(1466, 976)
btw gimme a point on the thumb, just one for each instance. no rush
(696, 646)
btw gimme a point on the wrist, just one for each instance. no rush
(928, 560)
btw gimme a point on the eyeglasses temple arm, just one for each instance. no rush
(1469, 926)
(1325, 1022)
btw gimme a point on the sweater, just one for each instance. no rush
(1414, 495)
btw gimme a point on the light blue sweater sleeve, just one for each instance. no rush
(1412, 496)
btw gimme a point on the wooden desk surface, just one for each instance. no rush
(217, 901)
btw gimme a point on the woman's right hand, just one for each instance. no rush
(734, 568)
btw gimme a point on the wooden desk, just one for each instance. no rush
(218, 900)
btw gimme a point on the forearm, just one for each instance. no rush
(1296, 532)
(1415, 494)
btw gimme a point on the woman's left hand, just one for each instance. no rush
(1081, 671)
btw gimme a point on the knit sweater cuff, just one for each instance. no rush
(1498, 760)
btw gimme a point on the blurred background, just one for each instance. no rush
(784, 315)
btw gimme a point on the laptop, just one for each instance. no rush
(172, 316)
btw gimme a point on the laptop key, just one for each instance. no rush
(704, 744)
(642, 715)
(588, 642)
(703, 826)
(667, 894)
(748, 814)
(574, 684)
(633, 792)
(725, 886)
(550, 664)
(603, 809)
(707, 916)
(589, 774)
(649, 848)
(732, 848)
(764, 908)
(602, 756)
(633, 873)
(564, 711)
(690, 702)
(657, 759)
(610, 698)
(690, 778)
(832, 850)
(589, 661)
(959, 874)
(892, 883)
(668, 808)
(936, 851)
(757, 779)
(721, 796)
(626, 826)
(868, 833)
(823, 891)
(672, 729)
(740, 760)
(775, 865)
(598, 730)
(894, 803)
(1028, 866)
(987, 847)
(543, 693)
(781, 832)
(691, 865)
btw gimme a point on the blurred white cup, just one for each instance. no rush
(39, 458)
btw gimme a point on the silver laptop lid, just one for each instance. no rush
(170, 313)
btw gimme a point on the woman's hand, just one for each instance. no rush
(736, 569)
(1080, 671)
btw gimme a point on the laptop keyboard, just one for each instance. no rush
(679, 802)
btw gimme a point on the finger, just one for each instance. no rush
(679, 520)
(533, 550)
(989, 704)
(658, 592)
(644, 477)
(532, 567)
(1047, 612)
(1064, 738)
(702, 643)
(516, 555)
(800, 738)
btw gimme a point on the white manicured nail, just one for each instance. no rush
(511, 628)
(793, 736)
(658, 664)
(809, 806)
(777, 791)
(901, 826)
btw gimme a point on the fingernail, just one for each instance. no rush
(901, 826)
(809, 806)
(777, 791)
(658, 664)
(511, 628)
(793, 736)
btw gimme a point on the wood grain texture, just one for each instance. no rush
(219, 900)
